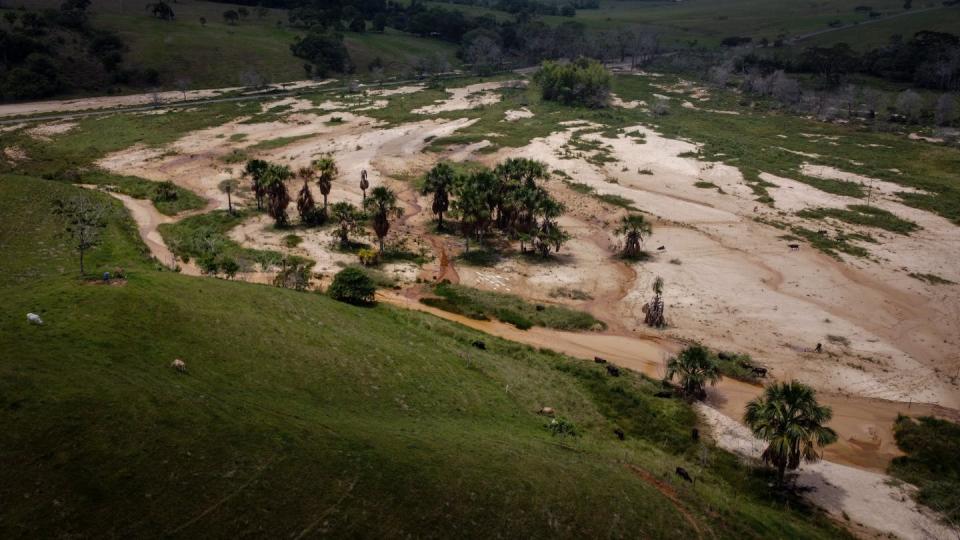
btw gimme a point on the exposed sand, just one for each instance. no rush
(131, 100)
(44, 132)
(731, 281)
(870, 499)
(517, 114)
(467, 97)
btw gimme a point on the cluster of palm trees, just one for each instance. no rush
(269, 185)
(507, 199)
(787, 415)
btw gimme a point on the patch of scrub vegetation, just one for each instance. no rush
(736, 366)
(167, 197)
(509, 308)
(235, 156)
(743, 140)
(279, 142)
(273, 114)
(203, 238)
(931, 446)
(392, 411)
(96, 136)
(861, 214)
(932, 279)
(702, 184)
(832, 244)
(609, 198)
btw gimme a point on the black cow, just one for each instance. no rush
(682, 473)
(695, 434)
(620, 434)
(794, 247)
(480, 345)
(760, 371)
(599, 360)
(662, 248)
(614, 371)
(723, 356)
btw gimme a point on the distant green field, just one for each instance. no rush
(706, 22)
(304, 416)
(216, 54)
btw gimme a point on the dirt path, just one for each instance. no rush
(667, 491)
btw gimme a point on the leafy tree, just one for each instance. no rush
(353, 286)
(379, 22)
(694, 367)
(654, 309)
(382, 206)
(243, 12)
(324, 50)
(789, 418)
(231, 17)
(633, 227)
(255, 169)
(581, 82)
(358, 24)
(348, 218)
(472, 206)
(228, 186)
(161, 10)
(439, 182)
(327, 170)
(84, 219)
(274, 180)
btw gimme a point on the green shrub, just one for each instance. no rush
(581, 82)
(353, 286)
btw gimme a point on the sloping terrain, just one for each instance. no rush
(300, 416)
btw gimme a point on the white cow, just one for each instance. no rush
(179, 365)
(34, 318)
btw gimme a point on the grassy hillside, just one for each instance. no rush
(706, 22)
(216, 54)
(301, 416)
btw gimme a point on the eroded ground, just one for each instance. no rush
(890, 340)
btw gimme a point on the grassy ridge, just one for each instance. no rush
(301, 415)
(478, 304)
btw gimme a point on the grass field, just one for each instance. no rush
(304, 416)
(707, 22)
(216, 54)
(930, 445)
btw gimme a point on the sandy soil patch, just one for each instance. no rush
(384, 92)
(151, 98)
(918, 137)
(874, 500)
(467, 97)
(517, 114)
(45, 132)
(14, 154)
(617, 101)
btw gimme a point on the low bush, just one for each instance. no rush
(353, 286)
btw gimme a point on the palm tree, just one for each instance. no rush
(327, 170)
(471, 204)
(789, 418)
(348, 218)
(228, 186)
(364, 184)
(382, 206)
(694, 367)
(439, 180)
(255, 169)
(274, 180)
(305, 204)
(654, 309)
(633, 227)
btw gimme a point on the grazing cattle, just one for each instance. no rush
(723, 356)
(822, 232)
(599, 360)
(179, 365)
(34, 319)
(664, 394)
(614, 371)
(760, 372)
(546, 411)
(695, 434)
(819, 348)
(662, 248)
(540, 307)
(794, 247)
(479, 345)
(682, 473)
(620, 434)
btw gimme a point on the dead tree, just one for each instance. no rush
(653, 310)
